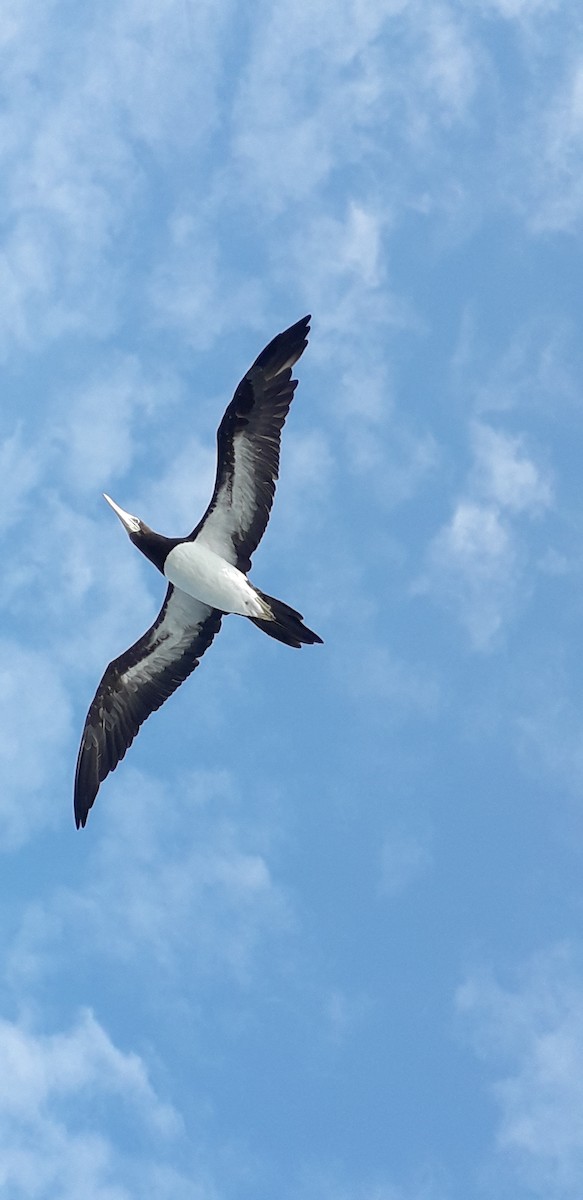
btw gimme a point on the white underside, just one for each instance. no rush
(201, 573)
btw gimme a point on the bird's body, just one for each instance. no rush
(206, 571)
(204, 574)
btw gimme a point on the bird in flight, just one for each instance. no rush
(206, 571)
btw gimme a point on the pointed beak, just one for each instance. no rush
(131, 524)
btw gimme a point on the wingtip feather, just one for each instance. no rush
(284, 350)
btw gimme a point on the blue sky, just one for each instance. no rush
(321, 938)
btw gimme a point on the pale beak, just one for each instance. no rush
(131, 524)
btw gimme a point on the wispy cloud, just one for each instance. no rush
(506, 475)
(538, 143)
(560, 154)
(476, 562)
(19, 474)
(180, 179)
(51, 1085)
(535, 368)
(122, 82)
(221, 900)
(290, 148)
(102, 419)
(35, 720)
(548, 726)
(530, 1035)
(195, 289)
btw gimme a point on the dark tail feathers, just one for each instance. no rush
(287, 625)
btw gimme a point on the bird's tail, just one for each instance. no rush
(284, 623)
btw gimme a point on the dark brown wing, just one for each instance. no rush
(136, 684)
(248, 442)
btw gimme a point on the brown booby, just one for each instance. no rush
(207, 571)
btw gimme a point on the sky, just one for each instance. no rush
(321, 938)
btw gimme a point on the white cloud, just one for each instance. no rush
(561, 155)
(472, 566)
(341, 262)
(81, 109)
(549, 725)
(476, 563)
(476, 539)
(304, 495)
(137, 193)
(195, 289)
(101, 421)
(36, 1068)
(219, 892)
(176, 499)
(531, 1036)
(93, 588)
(395, 462)
(76, 599)
(221, 904)
(451, 61)
(54, 1090)
(35, 717)
(331, 75)
(19, 473)
(542, 150)
(54, 268)
(148, 57)
(533, 371)
(359, 250)
(505, 475)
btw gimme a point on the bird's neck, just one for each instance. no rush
(155, 546)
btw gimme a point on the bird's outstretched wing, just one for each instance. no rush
(137, 683)
(248, 442)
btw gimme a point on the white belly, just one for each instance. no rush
(201, 573)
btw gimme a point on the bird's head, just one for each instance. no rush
(132, 525)
(153, 545)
